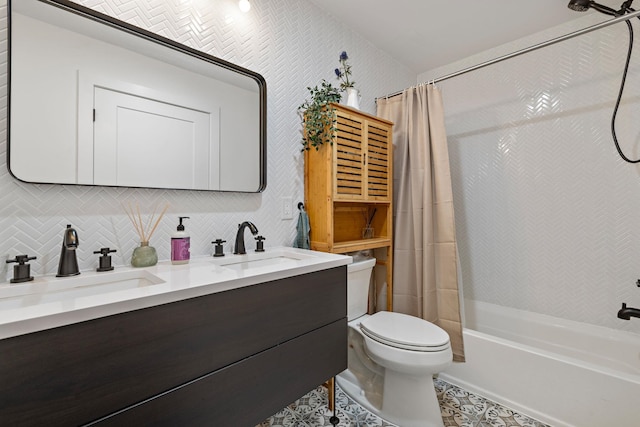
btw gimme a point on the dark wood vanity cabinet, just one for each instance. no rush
(226, 359)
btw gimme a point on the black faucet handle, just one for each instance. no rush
(638, 283)
(105, 259)
(22, 271)
(21, 259)
(219, 250)
(260, 244)
(105, 251)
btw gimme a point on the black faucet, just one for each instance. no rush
(68, 265)
(627, 313)
(239, 249)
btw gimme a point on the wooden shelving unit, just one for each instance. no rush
(349, 184)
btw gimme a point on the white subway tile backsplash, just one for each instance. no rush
(290, 42)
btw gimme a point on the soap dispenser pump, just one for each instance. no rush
(180, 244)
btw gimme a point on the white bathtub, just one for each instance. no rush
(561, 372)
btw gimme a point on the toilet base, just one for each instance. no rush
(417, 407)
(349, 385)
(411, 401)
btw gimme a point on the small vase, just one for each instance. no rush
(353, 98)
(144, 255)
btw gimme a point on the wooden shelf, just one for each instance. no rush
(349, 186)
(360, 245)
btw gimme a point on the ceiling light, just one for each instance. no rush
(244, 5)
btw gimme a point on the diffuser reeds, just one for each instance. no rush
(144, 230)
(367, 231)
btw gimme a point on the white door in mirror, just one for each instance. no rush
(128, 128)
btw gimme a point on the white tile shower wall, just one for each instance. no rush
(547, 213)
(290, 42)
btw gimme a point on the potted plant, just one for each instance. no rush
(343, 73)
(318, 116)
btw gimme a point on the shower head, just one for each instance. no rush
(579, 5)
(584, 5)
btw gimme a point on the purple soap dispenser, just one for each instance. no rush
(180, 244)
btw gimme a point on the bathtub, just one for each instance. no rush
(561, 372)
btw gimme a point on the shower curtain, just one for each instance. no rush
(425, 276)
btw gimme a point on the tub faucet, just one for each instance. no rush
(627, 313)
(239, 249)
(68, 265)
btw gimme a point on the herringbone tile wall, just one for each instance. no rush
(547, 214)
(290, 42)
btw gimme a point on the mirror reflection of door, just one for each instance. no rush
(58, 58)
(144, 142)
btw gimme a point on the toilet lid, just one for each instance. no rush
(403, 331)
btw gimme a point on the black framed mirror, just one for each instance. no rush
(97, 101)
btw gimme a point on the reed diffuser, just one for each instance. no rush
(144, 255)
(367, 230)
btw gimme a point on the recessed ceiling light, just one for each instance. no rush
(244, 5)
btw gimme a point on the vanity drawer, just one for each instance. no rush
(78, 373)
(248, 392)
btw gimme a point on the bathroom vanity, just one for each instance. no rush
(231, 352)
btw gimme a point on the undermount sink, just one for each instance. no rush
(49, 302)
(54, 289)
(269, 259)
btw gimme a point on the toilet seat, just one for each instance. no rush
(406, 332)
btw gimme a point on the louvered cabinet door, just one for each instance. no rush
(348, 149)
(378, 162)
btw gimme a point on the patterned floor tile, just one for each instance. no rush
(459, 408)
(501, 416)
(464, 406)
(358, 416)
(454, 418)
(312, 411)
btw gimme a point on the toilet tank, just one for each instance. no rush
(358, 277)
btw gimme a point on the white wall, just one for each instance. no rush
(290, 42)
(547, 214)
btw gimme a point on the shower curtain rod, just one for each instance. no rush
(527, 50)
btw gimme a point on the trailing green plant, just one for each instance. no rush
(318, 115)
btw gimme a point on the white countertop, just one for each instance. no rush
(49, 302)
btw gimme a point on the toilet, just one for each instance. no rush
(392, 358)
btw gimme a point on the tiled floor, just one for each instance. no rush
(458, 408)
